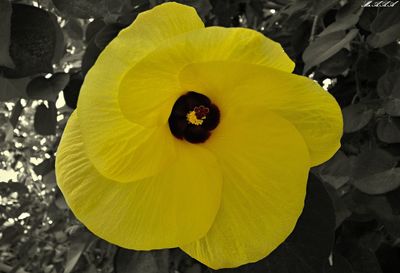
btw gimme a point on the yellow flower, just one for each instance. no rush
(194, 137)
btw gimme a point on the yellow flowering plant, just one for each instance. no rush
(194, 137)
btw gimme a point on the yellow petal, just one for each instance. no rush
(312, 110)
(177, 206)
(158, 71)
(265, 165)
(153, 27)
(110, 139)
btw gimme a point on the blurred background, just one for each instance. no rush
(352, 218)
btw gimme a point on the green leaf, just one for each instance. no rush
(374, 172)
(389, 89)
(79, 243)
(372, 65)
(346, 18)
(371, 162)
(307, 249)
(60, 201)
(59, 81)
(7, 89)
(45, 167)
(74, 29)
(47, 89)
(11, 234)
(40, 88)
(385, 28)
(45, 120)
(389, 84)
(83, 9)
(7, 188)
(16, 113)
(337, 64)
(326, 46)
(392, 51)
(5, 28)
(295, 7)
(322, 6)
(385, 37)
(71, 91)
(106, 35)
(379, 183)
(336, 171)
(366, 18)
(385, 18)
(93, 28)
(90, 56)
(356, 117)
(36, 40)
(130, 261)
(342, 212)
(392, 106)
(388, 130)
(12, 88)
(50, 181)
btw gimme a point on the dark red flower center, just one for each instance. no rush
(193, 117)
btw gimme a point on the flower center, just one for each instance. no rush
(193, 117)
(198, 114)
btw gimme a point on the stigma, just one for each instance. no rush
(198, 115)
(193, 117)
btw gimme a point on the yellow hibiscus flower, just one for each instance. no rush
(194, 137)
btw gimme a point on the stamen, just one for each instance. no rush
(201, 111)
(193, 118)
(198, 115)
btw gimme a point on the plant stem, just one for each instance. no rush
(313, 28)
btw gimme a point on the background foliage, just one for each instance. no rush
(351, 222)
